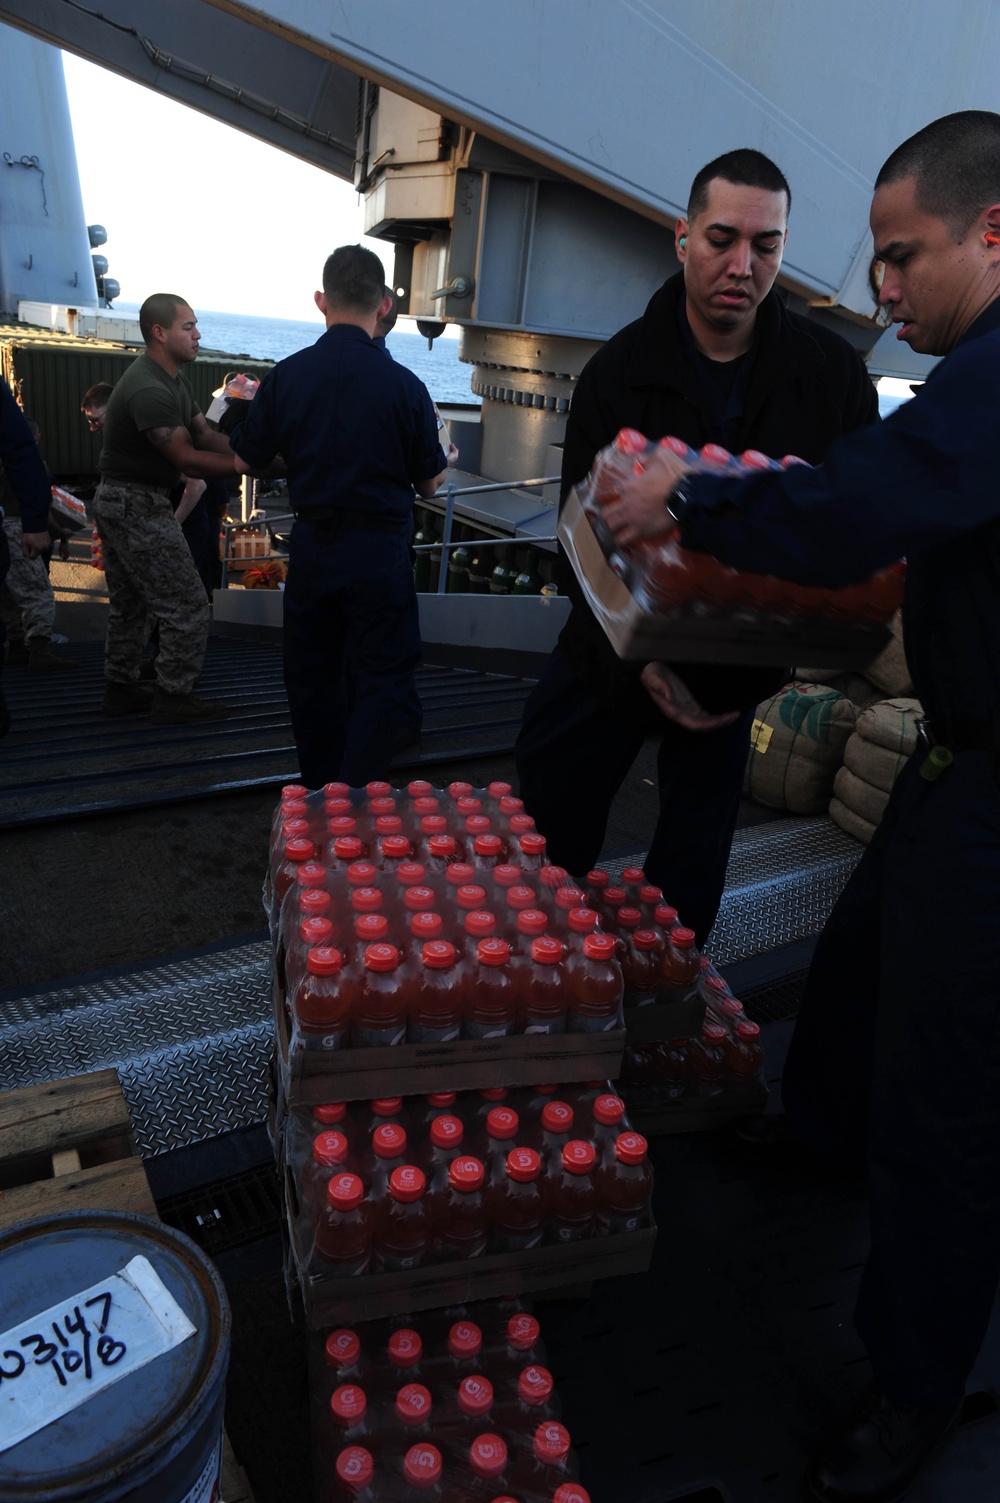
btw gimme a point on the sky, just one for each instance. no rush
(193, 206)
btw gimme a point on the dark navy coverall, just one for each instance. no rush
(896, 1055)
(25, 470)
(356, 432)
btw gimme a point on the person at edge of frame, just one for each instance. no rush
(716, 357)
(357, 434)
(906, 1085)
(27, 476)
(27, 596)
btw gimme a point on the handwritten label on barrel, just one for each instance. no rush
(57, 1360)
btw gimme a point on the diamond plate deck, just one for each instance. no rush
(190, 1038)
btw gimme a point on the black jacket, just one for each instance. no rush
(807, 388)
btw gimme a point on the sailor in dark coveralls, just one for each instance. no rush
(895, 1063)
(28, 478)
(358, 435)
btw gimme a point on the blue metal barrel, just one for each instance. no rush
(154, 1433)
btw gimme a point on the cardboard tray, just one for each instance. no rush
(467, 1064)
(331, 1301)
(635, 632)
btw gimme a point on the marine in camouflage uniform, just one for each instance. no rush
(27, 599)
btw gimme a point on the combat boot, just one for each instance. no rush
(185, 709)
(40, 655)
(126, 699)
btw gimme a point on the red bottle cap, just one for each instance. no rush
(570, 897)
(366, 899)
(493, 951)
(630, 1147)
(344, 1192)
(389, 1140)
(578, 1156)
(468, 804)
(582, 920)
(347, 847)
(511, 805)
(535, 1385)
(598, 878)
(407, 1183)
(440, 844)
(480, 923)
(405, 1347)
(478, 824)
(599, 946)
(546, 950)
(362, 874)
(551, 1442)
(523, 1331)
(713, 1033)
(419, 788)
(532, 921)
(665, 916)
(521, 824)
(337, 806)
(557, 1116)
(427, 925)
(614, 897)
(488, 1455)
(465, 1174)
(348, 1404)
(521, 896)
(506, 874)
(422, 1465)
(717, 986)
(293, 791)
(628, 918)
(747, 1030)
(459, 790)
(683, 938)
(493, 1093)
(330, 1113)
(418, 899)
(437, 953)
(355, 1468)
(425, 805)
(645, 939)
(499, 790)
(371, 928)
(377, 789)
(475, 1396)
(532, 844)
(651, 896)
(553, 876)
(447, 1131)
(388, 826)
(343, 1347)
(488, 845)
(570, 1492)
(502, 1122)
(315, 931)
(382, 805)
(324, 960)
(410, 873)
(470, 896)
(465, 1339)
(413, 1404)
(441, 1098)
(381, 958)
(523, 1165)
(393, 846)
(632, 874)
(630, 441)
(315, 900)
(329, 1148)
(296, 829)
(608, 1110)
(299, 849)
(310, 874)
(460, 874)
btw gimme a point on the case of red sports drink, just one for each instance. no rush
(657, 600)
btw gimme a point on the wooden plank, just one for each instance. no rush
(63, 1114)
(121, 1186)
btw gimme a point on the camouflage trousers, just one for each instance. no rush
(150, 574)
(27, 599)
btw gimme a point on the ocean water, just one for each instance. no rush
(440, 369)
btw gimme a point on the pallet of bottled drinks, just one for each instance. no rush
(456, 1404)
(403, 1204)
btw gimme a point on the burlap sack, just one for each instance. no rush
(796, 747)
(851, 823)
(872, 763)
(860, 797)
(891, 723)
(873, 759)
(888, 671)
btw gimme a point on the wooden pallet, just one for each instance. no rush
(67, 1145)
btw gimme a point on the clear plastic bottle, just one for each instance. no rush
(608, 1117)
(570, 1194)
(437, 849)
(340, 852)
(474, 826)
(530, 1402)
(401, 1224)
(379, 1017)
(594, 981)
(458, 1213)
(598, 881)
(490, 1010)
(324, 1001)
(477, 924)
(508, 807)
(482, 1475)
(315, 929)
(344, 1360)
(505, 874)
(546, 1465)
(388, 1152)
(611, 900)
(414, 1413)
(640, 961)
(297, 849)
(522, 1344)
(515, 1206)
(541, 988)
(517, 900)
(445, 1140)
(744, 1057)
(501, 1132)
(550, 880)
(708, 1061)
(468, 1411)
(348, 1415)
(579, 923)
(633, 879)
(566, 899)
(435, 1013)
(457, 874)
(672, 1068)
(624, 1187)
(422, 1478)
(330, 1154)
(488, 852)
(521, 824)
(556, 1126)
(679, 968)
(353, 1478)
(343, 1244)
(404, 1360)
(532, 852)
(464, 1352)
(650, 898)
(422, 928)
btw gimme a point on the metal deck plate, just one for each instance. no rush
(191, 1038)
